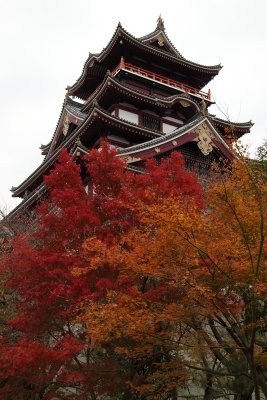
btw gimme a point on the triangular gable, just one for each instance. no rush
(200, 131)
(69, 115)
(161, 41)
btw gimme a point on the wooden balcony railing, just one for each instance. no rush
(161, 79)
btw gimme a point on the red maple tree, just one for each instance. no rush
(71, 264)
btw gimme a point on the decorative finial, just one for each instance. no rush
(160, 23)
(203, 107)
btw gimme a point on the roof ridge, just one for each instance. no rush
(175, 57)
(247, 123)
(183, 58)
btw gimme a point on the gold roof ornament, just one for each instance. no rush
(66, 124)
(160, 41)
(203, 107)
(160, 23)
(204, 139)
(130, 159)
(184, 103)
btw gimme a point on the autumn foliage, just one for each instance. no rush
(141, 288)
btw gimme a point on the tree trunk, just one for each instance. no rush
(174, 394)
(208, 389)
(127, 395)
(263, 384)
(244, 396)
(92, 394)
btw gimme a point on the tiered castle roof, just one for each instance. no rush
(146, 99)
(156, 46)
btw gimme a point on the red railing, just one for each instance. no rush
(160, 78)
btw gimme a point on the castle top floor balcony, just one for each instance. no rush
(163, 80)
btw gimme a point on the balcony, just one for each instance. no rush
(161, 79)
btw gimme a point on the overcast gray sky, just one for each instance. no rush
(44, 44)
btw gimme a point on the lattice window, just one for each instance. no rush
(151, 122)
(194, 160)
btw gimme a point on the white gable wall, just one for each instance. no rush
(128, 116)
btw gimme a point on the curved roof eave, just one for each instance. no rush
(27, 201)
(110, 81)
(185, 129)
(95, 112)
(67, 106)
(44, 147)
(120, 32)
(247, 124)
(155, 142)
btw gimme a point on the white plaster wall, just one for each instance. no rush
(128, 116)
(166, 128)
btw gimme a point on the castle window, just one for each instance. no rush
(169, 124)
(167, 128)
(128, 115)
(149, 121)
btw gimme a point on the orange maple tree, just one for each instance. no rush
(217, 259)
